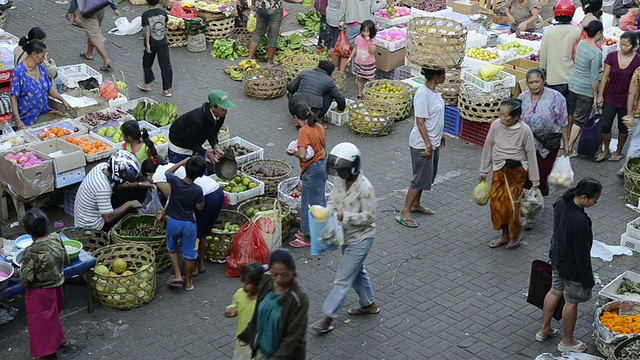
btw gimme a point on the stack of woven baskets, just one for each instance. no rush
(397, 94)
(436, 43)
(176, 33)
(220, 25)
(475, 105)
(450, 88)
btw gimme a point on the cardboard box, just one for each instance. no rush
(30, 182)
(72, 156)
(523, 64)
(521, 86)
(465, 7)
(387, 60)
(78, 112)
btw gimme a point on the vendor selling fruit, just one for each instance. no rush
(522, 15)
(316, 89)
(192, 129)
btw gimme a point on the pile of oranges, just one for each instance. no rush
(55, 132)
(89, 147)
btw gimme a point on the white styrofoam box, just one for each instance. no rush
(533, 44)
(471, 76)
(441, 14)
(475, 39)
(120, 100)
(236, 198)
(631, 229)
(70, 177)
(631, 243)
(339, 118)
(608, 293)
(391, 45)
(71, 74)
(613, 32)
(469, 62)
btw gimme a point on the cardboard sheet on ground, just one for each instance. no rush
(606, 252)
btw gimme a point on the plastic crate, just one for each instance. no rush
(451, 120)
(391, 45)
(131, 104)
(474, 132)
(339, 118)
(70, 177)
(469, 62)
(69, 201)
(147, 125)
(120, 100)
(474, 39)
(71, 74)
(608, 293)
(31, 135)
(103, 154)
(162, 149)
(631, 229)
(631, 243)
(258, 152)
(505, 80)
(236, 198)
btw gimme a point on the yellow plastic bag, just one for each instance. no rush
(487, 72)
(481, 193)
(252, 22)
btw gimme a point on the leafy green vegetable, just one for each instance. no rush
(195, 26)
(229, 49)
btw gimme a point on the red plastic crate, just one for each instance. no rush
(5, 80)
(474, 132)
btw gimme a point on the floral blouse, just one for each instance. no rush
(32, 94)
(545, 116)
(269, 4)
(358, 206)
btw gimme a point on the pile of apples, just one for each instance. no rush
(25, 159)
(609, 42)
(401, 11)
(393, 35)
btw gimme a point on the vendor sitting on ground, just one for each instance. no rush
(192, 129)
(92, 208)
(522, 15)
(317, 89)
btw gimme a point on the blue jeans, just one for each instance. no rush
(58, 82)
(351, 273)
(73, 5)
(313, 186)
(352, 34)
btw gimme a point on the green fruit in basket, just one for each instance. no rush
(238, 180)
(102, 270)
(102, 131)
(263, 209)
(245, 181)
(217, 239)
(252, 185)
(227, 189)
(121, 290)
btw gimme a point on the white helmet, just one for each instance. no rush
(343, 156)
(124, 167)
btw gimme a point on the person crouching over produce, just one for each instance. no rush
(317, 89)
(510, 153)
(571, 261)
(192, 129)
(186, 199)
(92, 208)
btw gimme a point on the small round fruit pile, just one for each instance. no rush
(516, 46)
(481, 54)
(240, 183)
(534, 57)
(269, 172)
(229, 228)
(55, 132)
(120, 269)
(142, 231)
(388, 88)
(238, 150)
(430, 5)
(97, 118)
(296, 192)
(529, 36)
(609, 42)
(399, 11)
(251, 212)
(25, 159)
(159, 139)
(89, 147)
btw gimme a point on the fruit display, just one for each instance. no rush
(311, 22)
(226, 7)
(55, 132)
(430, 5)
(268, 171)
(529, 36)
(391, 10)
(251, 212)
(621, 323)
(97, 118)
(238, 150)
(388, 88)
(175, 23)
(89, 147)
(120, 272)
(142, 231)
(109, 132)
(534, 57)
(140, 111)
(399, 11)
(240, 183)
(235, 71)
(159, 139)
(481, 54)
(228, 229)
(515, 46)
(24, 159)
(392, 35)
(229, 49)
(161, 114)
(609, 42)
(14, 141)
(296, 192)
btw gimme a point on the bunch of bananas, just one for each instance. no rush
(248, 64)
(234, 71)
(175, 23)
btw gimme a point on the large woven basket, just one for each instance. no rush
(370, 118)
(265, 84)
(138, 2)
(295, 64)
(402, 100)
(284, 190)
(241, 35)
(120, 235)
(475, 105)
(219, 29)
(450, 88)
(213, 16)
(436, 43)
(617, 352)
(339, 78)
(129, 291)
(218, 250)
(91, 239)
(267, 202)
(632, 181)
(177, 37)
(260, 170)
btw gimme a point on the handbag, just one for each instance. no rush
(539, 286)
(591, 137)
(550, 141)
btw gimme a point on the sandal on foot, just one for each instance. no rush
(322, 328)
(84, 56)
(105, 68)
(410, 223)
(578, 348)
(514, 243)
(423, 211)
(362, 311)
(616, 158)
(496, 243)
(166, 93)
(175, 282)
(191, 287)
(602, 157)
(299, 243)
(144, 87)
(552, 334)
(274, 65)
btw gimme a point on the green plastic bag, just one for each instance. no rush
(481, 194)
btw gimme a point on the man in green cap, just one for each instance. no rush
(189, 132)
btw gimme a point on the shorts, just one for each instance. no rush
(93, 26)
(568, 96)
(424, 170)
(271, 18)
(574, 292)
(609, 113)
(584, 105)
(185, 232)
(333, 33)
(207, 217)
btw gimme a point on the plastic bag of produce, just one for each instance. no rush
(487, 72)
(531, 204)
(252, 22)
(152, 204)
(270, 224)
(343, 46)
(248, 246)
(561, 174)
(315, 230)
(333, 233)
(178, 11)
(7, 131)
(108, 90)
(481, 193)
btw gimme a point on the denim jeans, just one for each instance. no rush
(313, 186)
(73, 5)
(351, 273)
(271, 18)
(58, 83)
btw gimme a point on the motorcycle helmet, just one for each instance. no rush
(124, 167)
(591, 6)
(564, 8)
(344, 157)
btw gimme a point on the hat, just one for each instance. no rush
(219, 98)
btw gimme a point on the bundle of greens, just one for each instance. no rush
(195, 26)
(628, 286)
(229, 49)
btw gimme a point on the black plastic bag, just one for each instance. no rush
(89, 84)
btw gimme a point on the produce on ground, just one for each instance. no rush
(89, 147)
(481, 54)
(229, 228)
(142, 231)
(229, 49)
(628, 286)
(287, 46)
(630, 352)
(515, 46)
(240, 183)
(97, 118)
(24, 159)
(238, 149)
(621, 324)
(122, 274)
(311, 22)
(55, 132)
(269, 172)
(430, 5)
(400, 11)
(529, 36)
(236, 71)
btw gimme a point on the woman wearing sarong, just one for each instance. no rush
(510, 153)
(41, 274)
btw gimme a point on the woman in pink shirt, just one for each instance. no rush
(364, 61)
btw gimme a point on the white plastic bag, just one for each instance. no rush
(293, 147)
(333, 233)
(124, 27)
(152, 204)
(531, 204)
(272, 238)
(561, 174)
(7, 131)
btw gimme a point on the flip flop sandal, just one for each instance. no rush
(272, 66)
(174, 282)
(616, 158)
(83, 55)
(424, 211)
(105, 68)
(512, 244)
(321, 328)
(578, 348)
(143, 88)
(193, 286)
(496, 243)
(298, 243)
(165, 93)
(601, 158)
(361, 311)
(541, 338)
(404, 222)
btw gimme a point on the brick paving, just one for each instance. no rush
(444, 293)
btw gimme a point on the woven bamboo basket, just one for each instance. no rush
(177, 37)
(267, 202)
(91, 239)
(370, 118)
(402, 100)
(339, 78)
(408, 3)
(269, 171)
(219, 29)
(3, 19)
(617, 352)
(125, 291)
(241, 35)
(295, 64)
(450, 88)
(265, 84)
(475, 105)
(138, 2)
(157, 243)
(436, 43)
(213, 16)
(607, 340)
(218, 250)
(285, 189)
(632, 181)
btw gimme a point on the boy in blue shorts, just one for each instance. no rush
(186, 197)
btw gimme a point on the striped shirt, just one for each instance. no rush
(93, 199)
(586, 69)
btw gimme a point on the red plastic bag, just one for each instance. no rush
(247, 247)
(343, 46)
(178, 11)
(284, 13)
(108, 90)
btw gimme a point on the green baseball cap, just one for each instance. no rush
(220, 98)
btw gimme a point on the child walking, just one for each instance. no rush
(154, 22)
(244, 303)
(364, 64)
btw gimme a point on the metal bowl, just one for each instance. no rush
(17, 258)
(6, 268)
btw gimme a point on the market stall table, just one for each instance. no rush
(82, 266)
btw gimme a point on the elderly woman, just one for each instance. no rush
(522, 15)
(278, 328)
(95, 40)
(31, 86)
(510, 153)
(354, 13)
(20, 55)
(268, 15)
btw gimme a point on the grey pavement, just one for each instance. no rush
(444, 293)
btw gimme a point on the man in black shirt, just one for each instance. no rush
(192, 129)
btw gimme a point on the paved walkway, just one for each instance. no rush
(444, 294)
